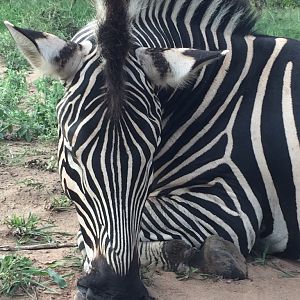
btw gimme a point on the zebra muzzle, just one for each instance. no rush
(102, 283)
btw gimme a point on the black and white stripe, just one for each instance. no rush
(220, 156)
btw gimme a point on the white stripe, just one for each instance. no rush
(278, 239)
(291, 131)
(208, 14)
(175, 12)
(187, 21)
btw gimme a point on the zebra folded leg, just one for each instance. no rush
(221, 257)
(217, 257)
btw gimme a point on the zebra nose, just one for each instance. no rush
(87, 294)
(103, 283)
(136, 293)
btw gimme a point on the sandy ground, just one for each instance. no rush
(27, 186)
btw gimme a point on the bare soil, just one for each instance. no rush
(28, 182)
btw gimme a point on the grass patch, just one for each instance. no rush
(28, 230)
(262, 258)
(8, 157)
(50, 165)
(194, 273)
(60, 203)
(31, 183)
(27, 116)
(281, 22)
(270, 261)
(18, 276)
(68, 262)
(19, 153)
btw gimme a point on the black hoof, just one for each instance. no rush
(220, 257)
(176, 253)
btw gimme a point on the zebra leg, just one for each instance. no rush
(217, 256)
(193, 218)
(167, 255)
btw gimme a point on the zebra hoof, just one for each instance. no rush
(220, 257)
(177, 254)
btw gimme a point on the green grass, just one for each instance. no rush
(60, 203)
(28, 230)
(280, 22)
(24, 115)
(194, 273)
(272, 262)
(21, 154)
(31, 183)
(72, 261)
(52, 164)
(262, 258)
(18, 276)
(8, 157)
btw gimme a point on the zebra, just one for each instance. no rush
(179, 122)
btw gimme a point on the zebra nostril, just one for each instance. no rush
(86, 294)
(91, 296)
(80, 296)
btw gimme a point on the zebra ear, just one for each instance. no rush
(174, 67)
(47, 53)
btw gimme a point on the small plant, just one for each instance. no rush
(194, 273)
(52, 164)
(262, 257)
(18, 276)
(8, 157)
(186, 274)
(27, 116)
(31, 183)
(27, 230)
(69, 262)
(60, 203)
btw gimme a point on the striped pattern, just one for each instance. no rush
(218, 157)
(96, 155)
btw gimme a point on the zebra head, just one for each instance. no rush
(109, 129)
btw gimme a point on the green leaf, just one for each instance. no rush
(57, 278)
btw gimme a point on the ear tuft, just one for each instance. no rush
(48, 53)
(176, 66)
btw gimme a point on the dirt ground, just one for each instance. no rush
(28, 182)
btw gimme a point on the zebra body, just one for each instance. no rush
(224, 116)
(161, 141)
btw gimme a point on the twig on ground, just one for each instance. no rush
(38, 247)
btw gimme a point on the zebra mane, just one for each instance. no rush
(113, 40)
(113, 32)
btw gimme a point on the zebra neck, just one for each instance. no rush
(192, 23)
